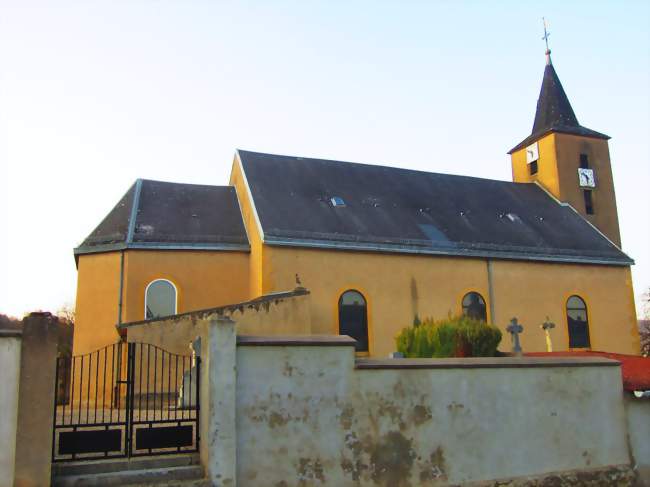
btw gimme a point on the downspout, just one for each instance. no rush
(490, 290)
(119, 301)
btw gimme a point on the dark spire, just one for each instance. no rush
(554, 112)
(553, 107)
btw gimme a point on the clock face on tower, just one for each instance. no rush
(586, 178)
(532, 153)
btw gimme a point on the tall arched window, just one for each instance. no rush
(159, 299)
(474, 306)
(578, 322)
(353, 318)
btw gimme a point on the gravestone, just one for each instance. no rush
(187, 393)
(514, 328)
(547, 326)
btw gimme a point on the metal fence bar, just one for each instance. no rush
(151, 425)
(81, 381)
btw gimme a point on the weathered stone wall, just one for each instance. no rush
(638, 425)
(307, 413)
(10, 342)
(280, 313)
(303, 410)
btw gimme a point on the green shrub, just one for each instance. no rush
(458, 336)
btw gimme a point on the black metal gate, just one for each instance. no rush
(126, 400)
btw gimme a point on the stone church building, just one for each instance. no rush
(376, 246)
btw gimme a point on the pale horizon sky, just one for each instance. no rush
(94, 95)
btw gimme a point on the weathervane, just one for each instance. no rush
(547, 34)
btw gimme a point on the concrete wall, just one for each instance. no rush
(308, 413)
(10, 343)
(36, 400)
(268, 314)
(638, 425)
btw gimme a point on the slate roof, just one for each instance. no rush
(401, 210)
(554, 112)
(156, 214)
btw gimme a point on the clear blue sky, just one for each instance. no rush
(96, 94)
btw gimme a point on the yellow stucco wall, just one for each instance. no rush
(396, 286)
(568, 150)
(547, 170)
(98, 289)
(533, 291)
(238, 180)
(559, 160)
(203, 279)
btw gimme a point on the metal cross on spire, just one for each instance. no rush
(547, 34)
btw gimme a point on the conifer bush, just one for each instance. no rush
(454, 336)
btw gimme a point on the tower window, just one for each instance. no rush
(589, 203)
(532, 167)
(584, 161)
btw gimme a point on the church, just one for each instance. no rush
(378, 247)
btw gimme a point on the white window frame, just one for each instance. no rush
(146, 294)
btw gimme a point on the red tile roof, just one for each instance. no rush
(635, 369)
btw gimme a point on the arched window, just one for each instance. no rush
(159, 299)
(474, 306)
(353, 318)
(578, 322)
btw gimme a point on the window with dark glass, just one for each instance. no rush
(584, 161)
(532, 167)
(474, 306)
(589, 203)
(159, 299)
(353, 318)
(578, 322)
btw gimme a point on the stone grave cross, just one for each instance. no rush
(515, 329)
(547, 326)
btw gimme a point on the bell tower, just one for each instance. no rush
(570, 161)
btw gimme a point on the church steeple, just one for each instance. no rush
(554, 112)
(553, 107)
(570, 161)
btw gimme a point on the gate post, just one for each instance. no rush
(218, 401)
(36, 397)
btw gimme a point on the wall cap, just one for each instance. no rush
(484, 363)
(256, 303)
(296, 340)
(11, 333)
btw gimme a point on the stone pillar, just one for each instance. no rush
(218, 401)
(10, 341)
(36, 400)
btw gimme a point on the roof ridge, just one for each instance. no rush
(158, 181)
(382, 166)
